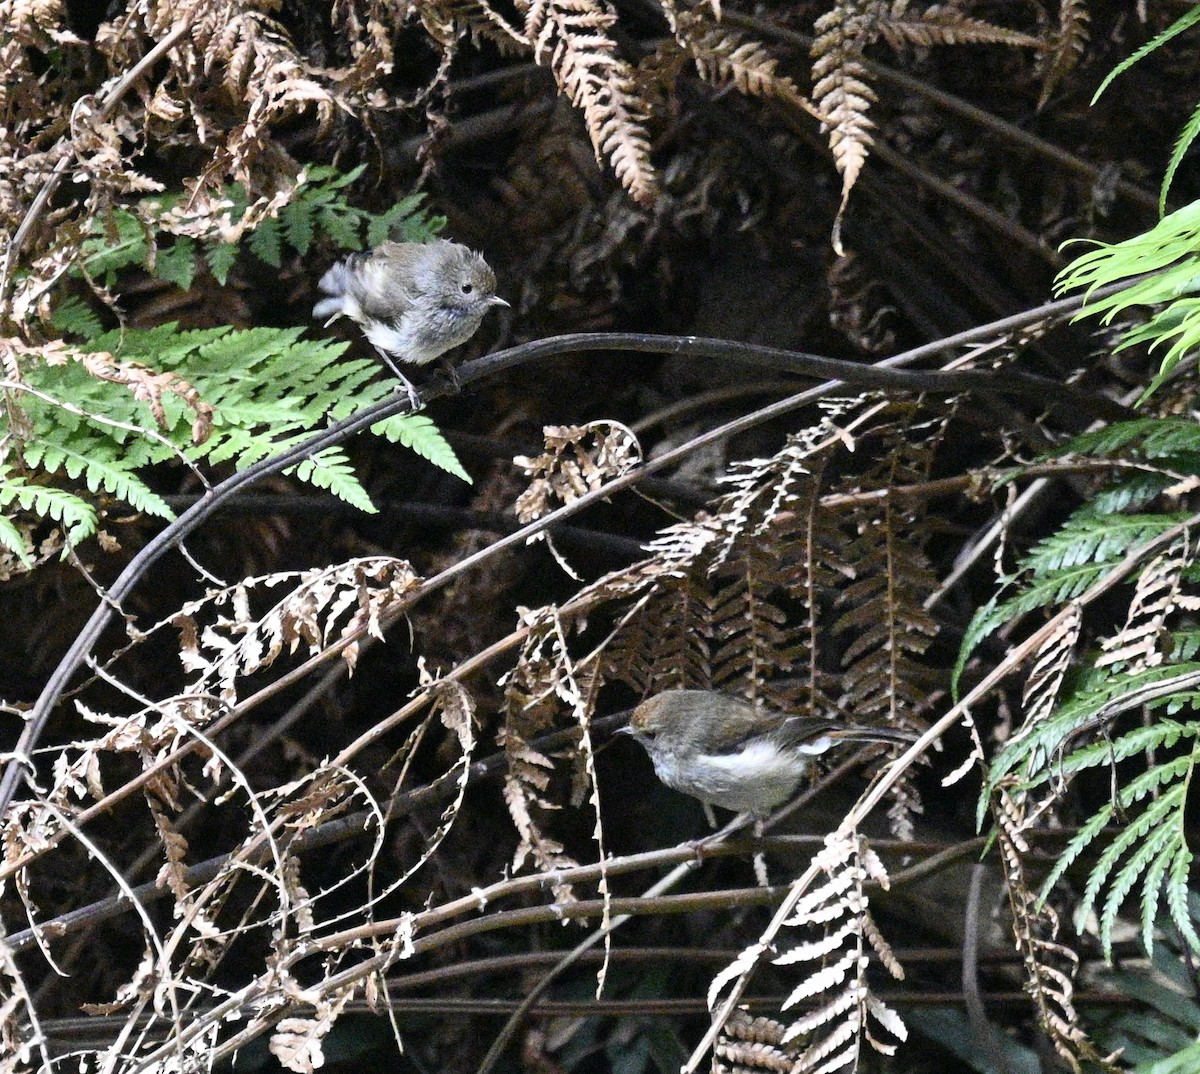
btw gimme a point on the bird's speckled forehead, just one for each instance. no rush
(654, 712)
(463, 266)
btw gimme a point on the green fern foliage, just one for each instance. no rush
(1192, 127)
(1150, 455)
(268, 387)
(1137, 840)
(319, 211)
(1086, 681)
(1061, 567)
(19, 497)
(1169, 253)
(418, 433)
(93, 422)
(1158, 1033)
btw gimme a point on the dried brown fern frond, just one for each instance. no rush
(835, 964)
(533, 694)
(574, 39)
(664, 640)
(328, 607)
(1158, 594)
(578, 459)
(448, 20)
(841, 85)
(748, 1045)
(883, 614)
(724, 56)
(1050, 663)
(1067, 46)
(1050, 966)
(944, 24)
(843, 94)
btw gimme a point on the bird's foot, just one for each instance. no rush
(414, 397)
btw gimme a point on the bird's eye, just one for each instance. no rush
(468, 288)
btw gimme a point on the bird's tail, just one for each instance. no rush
(335, 283)
(874, 734)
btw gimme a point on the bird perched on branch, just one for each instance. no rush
(414, 301)
(730, 753)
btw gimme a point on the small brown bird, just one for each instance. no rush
(730, 753)
(414, 301)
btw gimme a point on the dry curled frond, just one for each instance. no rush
(450, 19)
(842, 93)
(1050, 966)
(334, 606)
(1158, 594)
(747, 1044)
(944, 24)
(534, 691)
(149, 387)
(296, 1042)
(841, 86)
(1067, 46)
(836, 964)
(1050, 664)
(726, 57)
(578, 459)
(574, 39)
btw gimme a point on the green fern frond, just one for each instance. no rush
(1087, 537)
(1028, 752)
(1185, 644)
(73, 316)
(268, 388)
(118, 241)
(418, 433)
(1065, 565)
(1167, 253)
(76, 516)
(331, 470)
(1178, 877)
(1080, 841)
(1162, 734)
(1159, 841)
(1151, 840)
(14, 540)
(1146, 438)
(1187, 136)
(221, 257)
(99, 464)
(1165, 1018)
(177, 263)
(1133, 493)
(266, 243)
(1174, 30)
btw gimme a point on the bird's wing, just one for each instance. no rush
(385, 291)
(739, 722)
(797, 730)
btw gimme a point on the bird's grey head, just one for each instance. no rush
(457, 278)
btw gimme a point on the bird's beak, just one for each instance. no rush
(496, 300)
(626, 730)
